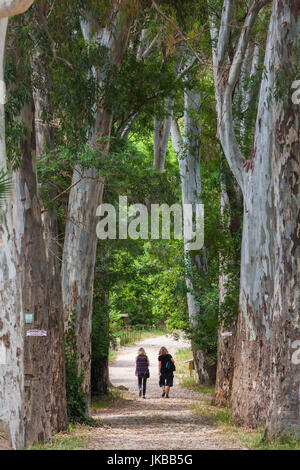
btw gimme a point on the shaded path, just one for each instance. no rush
(154, 423)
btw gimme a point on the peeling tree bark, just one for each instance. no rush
(284, 416)
(11, 318)
(250, 390)
(188, 154)
(232, 198)
(80, 243)
(26, 382)
(225, 359)
(44, 139)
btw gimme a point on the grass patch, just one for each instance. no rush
(191, 384)
(64, 441)
(285, 443)
(186, 380)
(181, 356)
(218, 415)
(107, 401)
(112, 355)
(247, 438)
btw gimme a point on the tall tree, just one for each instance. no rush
(284, 415)
(188, 151)
(23, 404)
(250, 393)
(80, 242)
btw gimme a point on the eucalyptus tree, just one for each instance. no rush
(231, 209)
(43, 398)
(80, 242)
(250, 390)
(26, 418)
(188, 150)
(284, 413)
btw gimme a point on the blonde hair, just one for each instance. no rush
(141, 351)
(163, 351)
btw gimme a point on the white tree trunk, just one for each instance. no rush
(284, 416)
(79, 253)
(250, 390)
(13, 7)
(11, 308)
(11, 312)
(188, 154)
(161, 135)
(226, 344)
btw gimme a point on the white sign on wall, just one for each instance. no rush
(225, 334)
(36, 333)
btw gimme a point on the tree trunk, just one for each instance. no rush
(161, 136)
(284, 417)
(11, 316)
(78, 266)
(33, 371)
(225, 358)
(188, 154)
(44, 139)
(13, 7)
(79, 253)
(250, 388)
(231, 202)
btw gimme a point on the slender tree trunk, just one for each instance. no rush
(161, 136)
(284, 416)
(188, 153)
(79, 253)
(79, 257)
(225, 359)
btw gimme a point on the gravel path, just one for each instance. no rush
(155, 423)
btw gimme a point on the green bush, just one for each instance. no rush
(77, 403)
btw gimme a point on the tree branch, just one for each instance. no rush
(176, 137)
(155, 6)
(13, 7)
(226, 78)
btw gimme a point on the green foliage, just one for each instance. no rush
(107, 401)
(62, 441)
(77, 407)
(100, 325)
(218, 415)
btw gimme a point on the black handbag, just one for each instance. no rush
(147, 375)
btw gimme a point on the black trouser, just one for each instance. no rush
(142, 378)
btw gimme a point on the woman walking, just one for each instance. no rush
(142, 371)
(166, 367)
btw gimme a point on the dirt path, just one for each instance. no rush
(155, 423)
